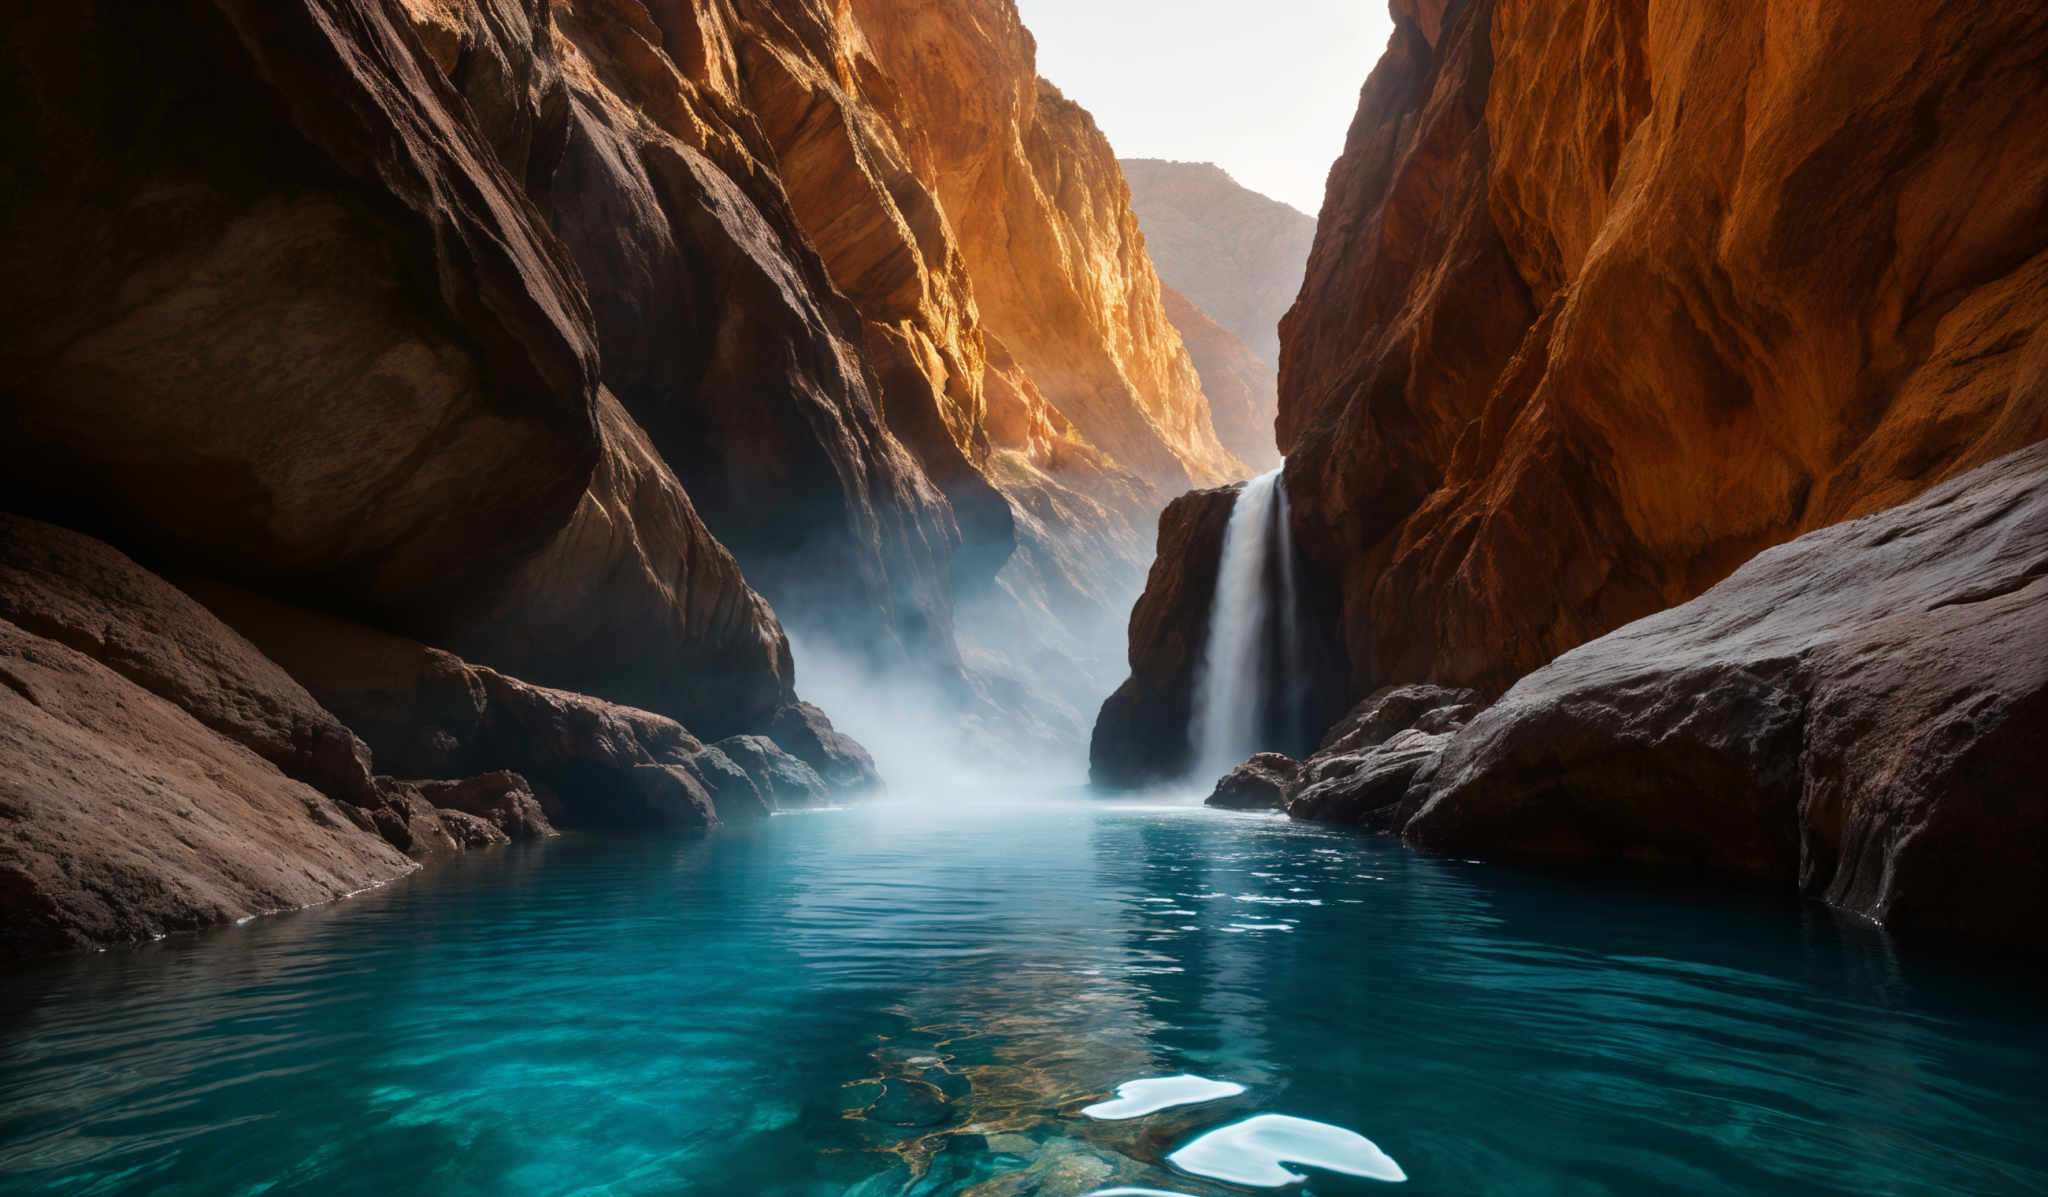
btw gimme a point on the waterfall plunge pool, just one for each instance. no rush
(924, 998)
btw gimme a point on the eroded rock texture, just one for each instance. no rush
(1607, 297)
(427, 713)
(1860, 712)
(276, 311)
(157, 772)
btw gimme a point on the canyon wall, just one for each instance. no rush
(1608, 302)
(462, 354)
(1608, 297)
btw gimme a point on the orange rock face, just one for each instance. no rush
(1608, 296)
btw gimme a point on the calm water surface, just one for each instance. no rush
(920, 999)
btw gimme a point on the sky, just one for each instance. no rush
(1264, 90)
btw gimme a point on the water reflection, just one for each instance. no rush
(929, 1000)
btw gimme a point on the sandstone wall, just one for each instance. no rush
(1607, 297)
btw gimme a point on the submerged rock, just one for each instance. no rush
(1264, 782)
(1860, 713)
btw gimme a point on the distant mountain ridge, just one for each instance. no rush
(1238, 255)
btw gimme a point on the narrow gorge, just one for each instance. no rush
(750, 596)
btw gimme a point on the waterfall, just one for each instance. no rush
(1249, 690)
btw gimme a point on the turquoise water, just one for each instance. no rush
(922, 999)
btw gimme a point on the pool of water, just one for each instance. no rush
(923, 999)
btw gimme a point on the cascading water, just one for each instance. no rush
(1251, 677)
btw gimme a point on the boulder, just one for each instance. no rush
(1369, 787)
(1859, 713)
(503, 800)
(1265, 782)
(805, 732)
(1392, 709)
(784, 782)
(157, 772)
(65, 587)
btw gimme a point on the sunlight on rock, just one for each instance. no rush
(1252, 1152)
(1135, 1099)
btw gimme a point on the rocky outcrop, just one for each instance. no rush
(1264, 782)
(312, 335)
(1373, 769)
(427, 713)
(1244, 391)
(1141, 735)
(1606, 298)
(1860, 713)
(123, 818)
(159, 773)
(1236, 254)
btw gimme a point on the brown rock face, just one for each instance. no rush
(1243, 390)
(428, 713)
(1262, 783)
(1238, 255)
(1607, 297)
(278, 309)
(1141, 736)
(1860, 712)
(122, 818)
(157, 772)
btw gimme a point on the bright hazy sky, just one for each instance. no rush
(1266, 89)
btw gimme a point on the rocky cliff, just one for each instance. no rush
(463, 353)
(1608, 297)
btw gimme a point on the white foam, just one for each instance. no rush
(1135, 1099)
(1251, 1152)
(1127, 1192)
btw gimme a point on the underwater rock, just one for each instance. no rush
(910, 1103)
